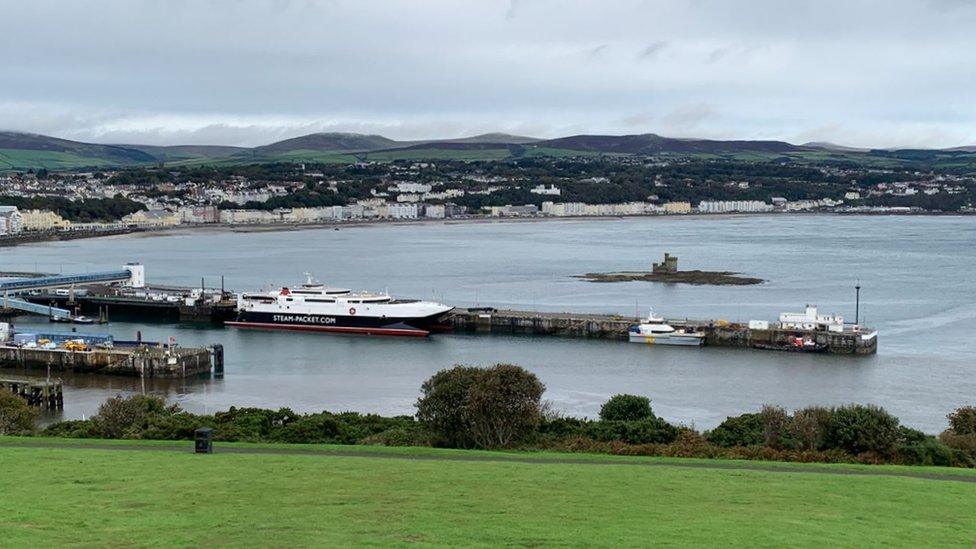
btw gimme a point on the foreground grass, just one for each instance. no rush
(101, 496)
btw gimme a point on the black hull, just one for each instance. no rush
(418, 326)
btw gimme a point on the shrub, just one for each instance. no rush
(626, 408)
(563, 427)
(927, 451)
(125, 417)
(481, 407)
(963, 421)
(744, 430)
(858, 429)
(16, 417)
(250, 424)
(71, 429)
(776, 427)
(401, 436)
(647, 431)
(807, 428)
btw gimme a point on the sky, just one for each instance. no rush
(885, 73)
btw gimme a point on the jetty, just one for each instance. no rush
(47, 394)
(851, 340)
(151, 360)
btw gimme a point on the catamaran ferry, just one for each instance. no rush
(315, 307)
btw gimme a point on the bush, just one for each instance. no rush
(16, 417)
(744, 430)
(71, 429)
(626, 408)
(807, 428)
(927, 451)
(121, 417)
(648, 431)
(776, 427)
(401, 436)
(858, 429)
(481, 407)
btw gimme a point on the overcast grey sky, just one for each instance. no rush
(864, 73)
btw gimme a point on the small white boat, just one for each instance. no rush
(655, 331)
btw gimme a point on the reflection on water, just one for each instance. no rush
(917, 273)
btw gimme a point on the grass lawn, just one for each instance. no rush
(148, 494)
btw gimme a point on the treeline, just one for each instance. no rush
(87, 210)
(502, 407)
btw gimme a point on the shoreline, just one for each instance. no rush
(220, 228)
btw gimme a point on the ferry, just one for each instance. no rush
(655, 331)
(315, 307)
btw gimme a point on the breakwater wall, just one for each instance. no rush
(130, 361)
(718, 333)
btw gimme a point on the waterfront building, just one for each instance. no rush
(677, 207)
(199, 214)
(730, 206)
(513, 211)
(435, 211)
(42, 220)
(404, 210)
(151, 219)
(238, 217)
(10, 220)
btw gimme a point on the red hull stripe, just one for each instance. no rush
(334, 329)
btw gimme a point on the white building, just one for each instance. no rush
(435, 211)
(811, 320)
(552, 190)
(10, 219)
(403, 210)
(412, 188)
(730, 206)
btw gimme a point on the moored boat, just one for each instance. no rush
(316, 307)
(655, 331)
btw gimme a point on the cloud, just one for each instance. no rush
(248, 72)
(652, 50)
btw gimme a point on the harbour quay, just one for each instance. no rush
(140, 359)
(848, 340)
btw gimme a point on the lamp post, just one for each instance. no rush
(857, 303)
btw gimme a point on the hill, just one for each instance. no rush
(23, 151)
(327, 142)
(123, 493)
(175, 153)
(650, 143)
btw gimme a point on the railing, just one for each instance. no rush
(63, 280)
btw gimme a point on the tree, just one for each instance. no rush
(858, 429)
(626, 408)
(481, 407)
(16, 417)
(963, 420)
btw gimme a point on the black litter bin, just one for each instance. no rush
(203, 439)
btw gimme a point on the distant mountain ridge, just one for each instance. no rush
(22, 151)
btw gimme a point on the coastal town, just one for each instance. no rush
(297, 194)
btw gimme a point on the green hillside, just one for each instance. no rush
(93, 493)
